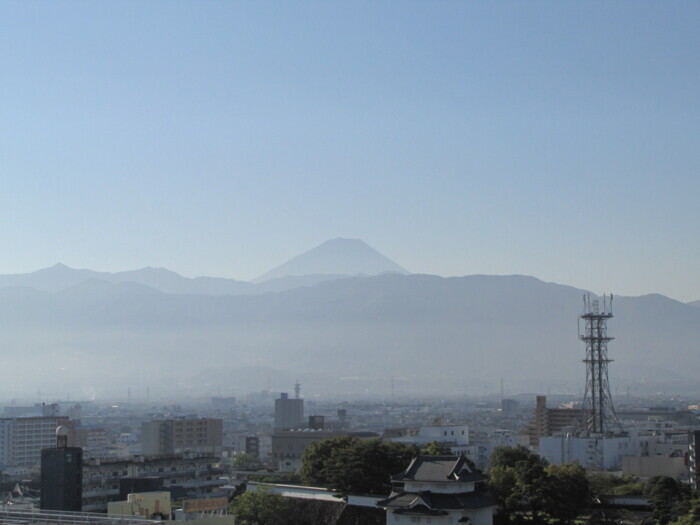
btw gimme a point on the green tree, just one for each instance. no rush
(245, 461)
(520, 485)
(692, 517)
(509, 456)
(352, 465)
(435, 448)
(569, 493)
(262, 507)
(527, 489)
(668, 498)
(604, 484)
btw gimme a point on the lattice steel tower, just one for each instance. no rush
(598, 409)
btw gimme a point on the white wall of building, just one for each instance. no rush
(591, 453)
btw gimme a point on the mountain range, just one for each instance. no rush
(85, 332)
(334, 259)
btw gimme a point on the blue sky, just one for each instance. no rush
(554, 139)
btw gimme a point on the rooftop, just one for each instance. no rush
(439, 469)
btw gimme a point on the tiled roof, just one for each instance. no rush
(420, 510)
(434, 501)
(439, 468)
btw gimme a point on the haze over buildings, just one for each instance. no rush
(512, 146)
(79, 334)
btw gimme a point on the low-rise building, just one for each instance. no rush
(196, 476)
(592, 453)
(456, 437)
(288, 446)
(149, 505)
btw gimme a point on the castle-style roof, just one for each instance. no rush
(431, 502)
(439, 469)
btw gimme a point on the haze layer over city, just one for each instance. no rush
(379, 200)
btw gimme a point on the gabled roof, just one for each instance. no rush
(435, 502)
(439, 469)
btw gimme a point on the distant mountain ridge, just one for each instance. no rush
(334, 259)
(337, 257)
(61, 277)
(340, 332)
(445, 336)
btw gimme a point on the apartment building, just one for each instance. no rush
(23, 438)
(172, 436)
(195, 475)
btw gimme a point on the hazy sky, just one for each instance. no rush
(554, 139)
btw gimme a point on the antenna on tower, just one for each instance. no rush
(598, 408)
(297, 389)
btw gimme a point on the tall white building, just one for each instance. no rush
(22, 438)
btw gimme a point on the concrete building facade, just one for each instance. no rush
(196, 475)
(551, 421)
(289, 413)
(173, 436)
(593, 453)
(23, 438)
(456, 437)
(288, 446)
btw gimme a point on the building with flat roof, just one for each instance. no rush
(289, 413)
(551, 421)
(23, 438)
(191, 474)
(62, 475)
(288, 446)
(172, 436)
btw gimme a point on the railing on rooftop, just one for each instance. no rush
(10, 516)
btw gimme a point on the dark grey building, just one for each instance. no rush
(289, 413)
(61, 478)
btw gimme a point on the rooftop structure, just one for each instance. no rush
(13, 516)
